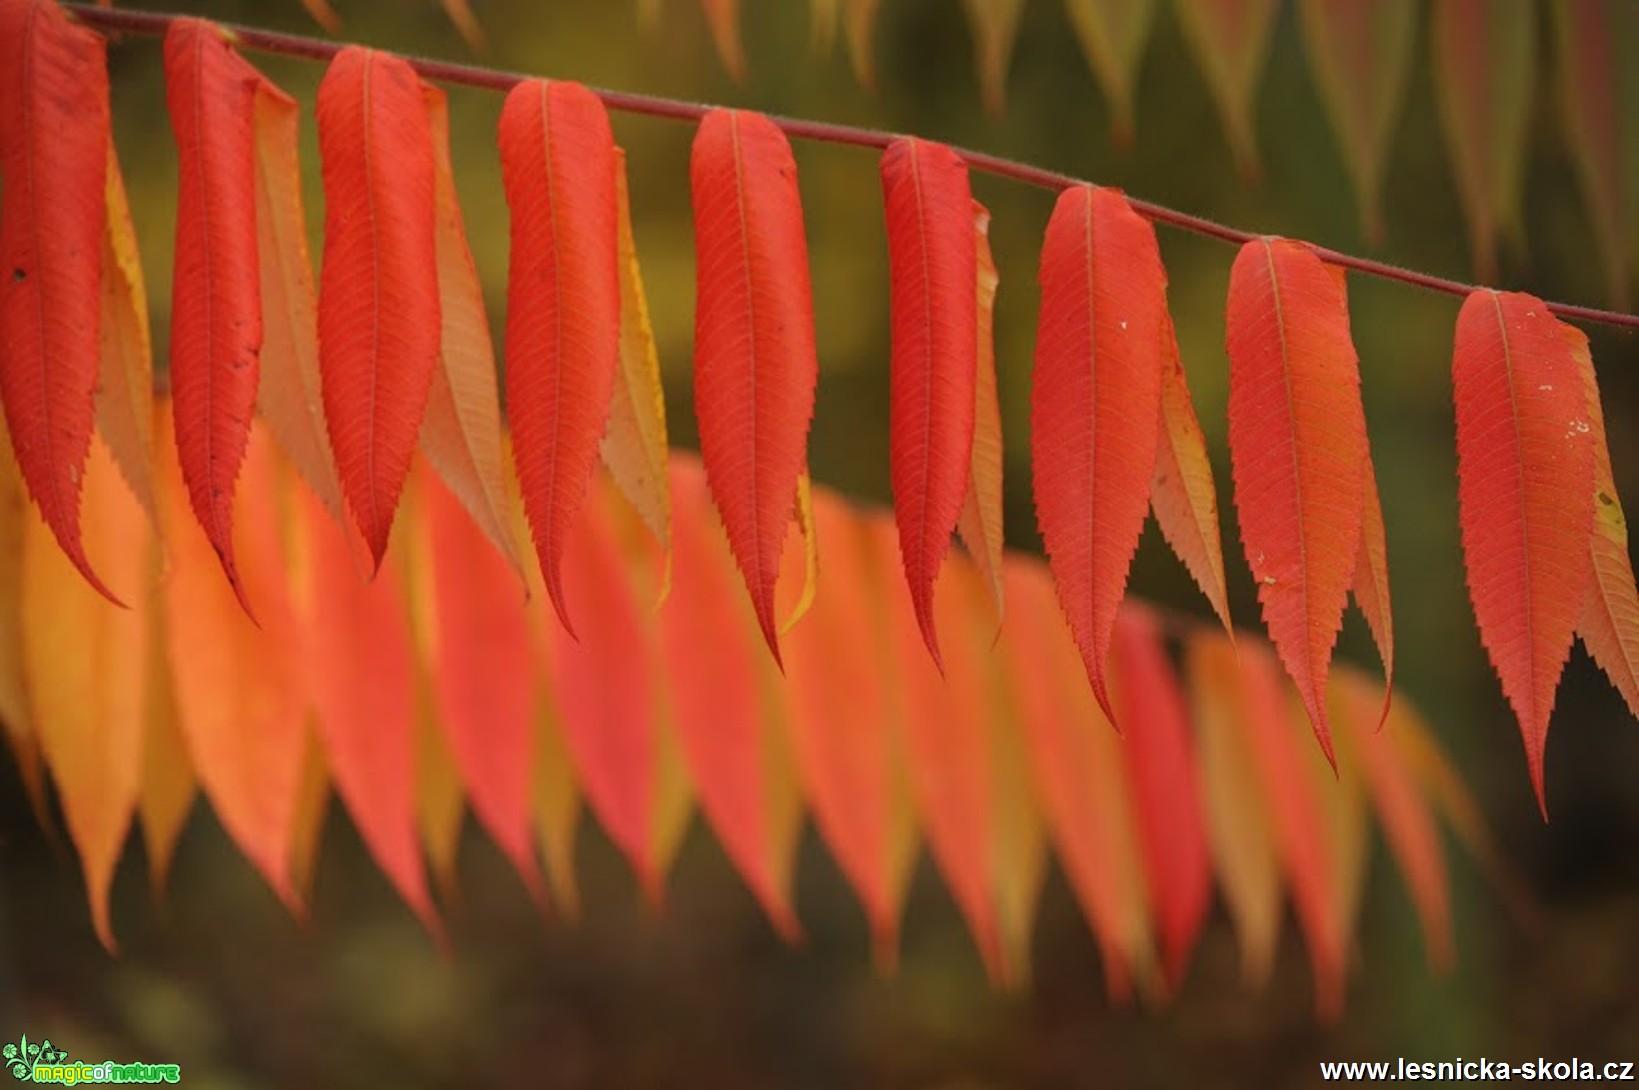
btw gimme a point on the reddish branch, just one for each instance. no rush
(295, 45)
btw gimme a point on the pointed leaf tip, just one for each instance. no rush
(563, 303)
(755, 364)
(1096, 406)
(1526, 482)
(1297, 438)
(933, 267)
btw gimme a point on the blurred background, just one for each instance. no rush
(216, 976)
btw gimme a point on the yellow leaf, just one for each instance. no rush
(86, 664)
(980, 525)
(461, 433)
(859, 24)
(168, 784)
(125, 371)
(634, 446)
(14, 712)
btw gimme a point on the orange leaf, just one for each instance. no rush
(482, 672)
(980, 524)
(563, 303)
(1160, 772)
(995, 26)
(1408, 825)
(1525, 464)
(724, 18)
(1485, 60)
(932, 259)
(1609, 621)
(849, 746)
(1077, 765)
(216, 308)
(322, 13)
(755, 364)
(379, 317)
(1239, 825)
(21, 736)
(1230, 39)
(1096, 406)
(168, 788)
(634, 448)
(717, 701)
(361, 665)
(1596, 40)
(85, 663)
(54, 141)
(1360, 55)
(466, 24)
(462, 430)
(859, 26)
(290, 397)
(822, 25)
(125, 377)
(1183, 494)
(240, 686)
(1370, 585)
(1297, 439)
(1113, 34)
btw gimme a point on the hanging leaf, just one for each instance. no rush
(980, 524)
(240, 686)
(166, 796)
(291, 397)
(379, 317)
(462, 430)
(21, 736)
(125, 374)
(859, 26)
(634, 447)
(717, 704)
(754, 357)
(1370, 586)
(1360, 55)
(822, 26)
(1485, 57)
(1096, 406)
(563, 303)
(1297, 439)
(1239, 822)
(216, 308)
(1526, 481)
(85, 665)
(1609, 621)
(322, 13)
(1160, 769)
(1230, 39)
(723, 16)
(1113, 34)
(1596, 39)
(995, 26)
(1183, 494)
(932, 261)
(849, 746)
(466, 24)
(1077, 765)
(1408, 825)
(360, 662)
(54, 141)
(482, 672)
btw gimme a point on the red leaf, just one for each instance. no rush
(1096, 406)
(483, 672)
(1297, 438)
(563, 303)
(216, 307)
(1160, 764)
(359, 657)
(54, 140)
(717, 698)
(754, 358)
(1077, 771)
(933, 261)
(849, 745)
(1525, 464)
(379, 320)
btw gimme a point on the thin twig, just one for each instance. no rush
(469, 75)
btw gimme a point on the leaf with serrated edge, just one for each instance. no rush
(1525, 466)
